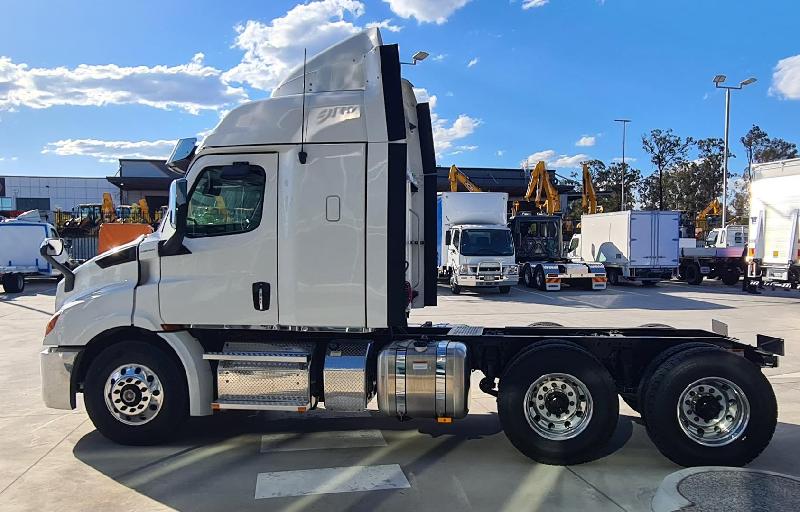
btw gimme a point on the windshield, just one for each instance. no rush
(711, 239)
(486, 242)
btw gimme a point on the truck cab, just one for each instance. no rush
(480, 256)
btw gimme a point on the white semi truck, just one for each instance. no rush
(632, 245)
(773, 251)
(303, 230)
(475, 247)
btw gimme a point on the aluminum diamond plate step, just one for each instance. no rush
(465, 330)
(262, 357)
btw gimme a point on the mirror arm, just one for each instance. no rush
(69, 275)
(174, 245)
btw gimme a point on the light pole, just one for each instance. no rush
(719, 83)
(622, 186)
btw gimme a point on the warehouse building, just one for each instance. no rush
(51, 193)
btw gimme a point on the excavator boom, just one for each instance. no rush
(455, 176)
(588, 195)
(541, 192)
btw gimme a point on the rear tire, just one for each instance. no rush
(154, 380)
(539, 279)
(549, 427)
(693, 275)
(613, 276)
(527, 277)
(454, 287)
(14, 283)
(710, 389)
(730, 276)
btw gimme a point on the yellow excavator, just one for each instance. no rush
(541, 192)
(588, 194)
(456, 176)
(714, 209)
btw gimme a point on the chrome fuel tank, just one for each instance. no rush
(424, 379)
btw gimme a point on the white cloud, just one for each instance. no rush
(386, 25)
(628, 160)
(472, 62)
(440, 57)
(786, 78)
(273, 49)
(500, 152)
(586, 141)
(554, 160)
(444, 132)
(532, 4)
(426, 11)
(111, 150)
(191, 87)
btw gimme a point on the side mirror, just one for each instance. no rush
(182, 155)
(53, 246)
(177, 212)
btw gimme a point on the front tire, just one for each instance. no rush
(527, 277)
(135, 393)
(613, 276)
(505, 289)
(14, 283)
(726, 409)
(538, 279)
(730, 276)
(558, 404)
(455, 289)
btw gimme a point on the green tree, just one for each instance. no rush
(608, 184)
(666, 151)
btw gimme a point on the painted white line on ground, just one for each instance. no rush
(297, 441)
(284, 484)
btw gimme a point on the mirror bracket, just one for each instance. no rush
(69, 275)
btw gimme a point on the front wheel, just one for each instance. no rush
(14, 283)
(708, 407)
(613, 276)
(693, 274)
(136, 393)
(527, 277)
(539, 280)
(558, 404)
(730, 276)
(454, 287)
(505, 289)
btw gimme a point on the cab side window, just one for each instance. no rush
(456, 238)
(226, 200)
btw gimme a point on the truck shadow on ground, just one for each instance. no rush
(618, 297)
(220, 455)
(32, 289)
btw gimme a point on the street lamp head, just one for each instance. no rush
(622, 120)
(419, 56)
(719, 79)
(748, 81)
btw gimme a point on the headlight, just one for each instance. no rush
(512, 269)
(463, 269)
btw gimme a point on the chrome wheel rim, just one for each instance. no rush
(558, 406)
(713, 411)
(133, 394)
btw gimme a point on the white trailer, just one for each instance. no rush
(632, 245)
(281, 279)
(475, 246)
(773, 251)
(19, 252)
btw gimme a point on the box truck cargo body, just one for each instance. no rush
(475, 247)
(773, 252)
(19, 253)
(282, 277)
(632, 245)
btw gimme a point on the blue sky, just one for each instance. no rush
(85, 82)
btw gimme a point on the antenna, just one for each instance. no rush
(302, 155)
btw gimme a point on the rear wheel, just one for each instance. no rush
(693, 274)
(613, 276)
(13, 283)
(710, 408)
(557, 404)
(730, 276)
(136, 393)
(527, 276)
(539, 280)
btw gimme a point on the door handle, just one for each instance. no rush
(261, 296)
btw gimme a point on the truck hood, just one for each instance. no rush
(116, 267)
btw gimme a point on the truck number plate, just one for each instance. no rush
(489, 278)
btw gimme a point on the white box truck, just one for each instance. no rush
(475, 247)
(720, 256)
(632, 245)
(282, 276)
(773, 251)
(20, 239)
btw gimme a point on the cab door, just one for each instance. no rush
(228, 273)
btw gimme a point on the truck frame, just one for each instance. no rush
(158, 329)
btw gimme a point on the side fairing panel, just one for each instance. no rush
(321, 232)
(376, 240)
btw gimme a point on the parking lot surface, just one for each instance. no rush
(54, 460)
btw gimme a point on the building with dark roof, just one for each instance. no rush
(144, 179)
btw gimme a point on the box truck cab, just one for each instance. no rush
(721, 256)
(475, 246)
(303, 230)
(20, 239)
